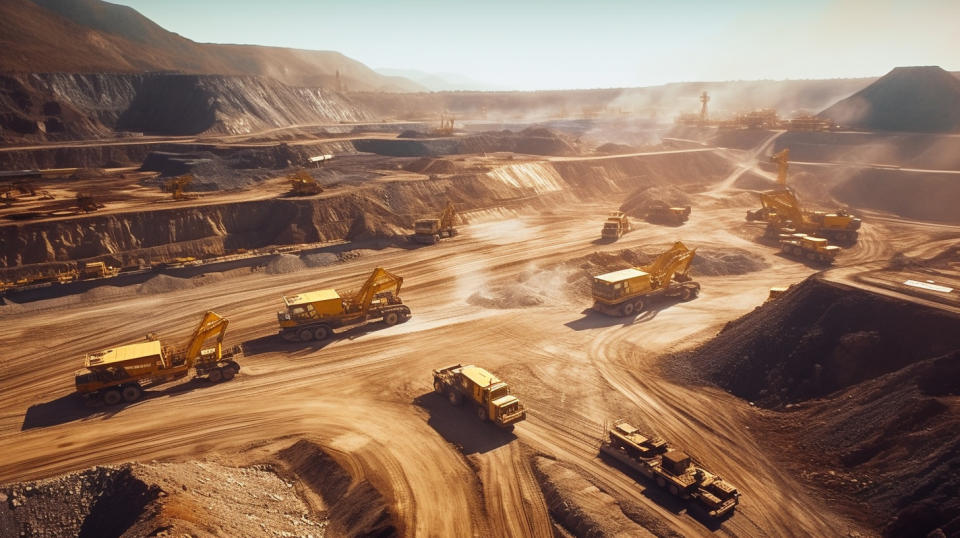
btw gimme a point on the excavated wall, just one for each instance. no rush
(69, 106)
(383, 210)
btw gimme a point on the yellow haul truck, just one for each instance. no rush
(119, 374)
(672, 470)
(483, 390)
(815, 249)
(615, 226)
(429, 231)
(626, 292)
(314, 315)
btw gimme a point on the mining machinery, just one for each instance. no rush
(429, 231)
(314, 315)
(120, 374)
(782, 212)
(486, 393)
(628, 291)
(672, 470)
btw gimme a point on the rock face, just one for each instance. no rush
(56, 106)
(920, 99)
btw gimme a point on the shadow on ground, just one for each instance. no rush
(460, 426)
(595, 320)
(73, 407)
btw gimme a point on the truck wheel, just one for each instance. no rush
(227, 373)
(112, 397)
(674, 491)
(811, 256)
(131, 393)
(454, 397)
(436, 238)
(482, 414)
(438, 386)
(628, 309)
(321, 333)
(391, 318)
(305, 335)
(661, 482)
(215, 375)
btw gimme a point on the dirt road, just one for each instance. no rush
(367, 396)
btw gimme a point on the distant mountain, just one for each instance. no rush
(88, 36)
(920, 99)
(440, 82)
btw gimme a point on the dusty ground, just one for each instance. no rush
(366, 398)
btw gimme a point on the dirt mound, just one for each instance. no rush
(728, 261)
(532, 288)
(427, 165)
(921, 99)
(164, 284)
(872, 379)
(355, 507)
(223, 170)
(825, 337)
(611, 148)
(199, 499)
(644, 199)
(322, 259)
(285, 263)
(579, 506)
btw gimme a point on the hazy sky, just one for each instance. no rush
(582, 44)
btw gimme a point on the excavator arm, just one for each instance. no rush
(784, 204)
(675, 261)
(212, 325)
(447, 216)
(783, 162)
(380, 281)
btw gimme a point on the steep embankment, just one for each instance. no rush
(67, 106)
(385, 209)
(873, 381)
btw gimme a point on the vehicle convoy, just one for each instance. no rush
(314, 315)
(488, 394)
(626, 292)
(429, 231)
(815, 249)
(615, 226)
(671, 469)
(663, 214)
(782, 212)
(120, 374)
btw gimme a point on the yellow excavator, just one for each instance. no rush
(314, 315)
(784, 215)
(429, 231)
(119, 374)
(178, 185)
(628, 291)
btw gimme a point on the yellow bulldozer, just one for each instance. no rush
(120, 374)
(782, 212)
(429, 231)
(314, 315)
(628, 291)
(303, 184)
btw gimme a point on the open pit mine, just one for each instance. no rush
(319, 301)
